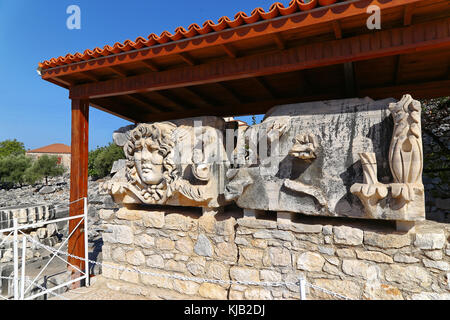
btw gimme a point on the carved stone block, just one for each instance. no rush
(307, 157)
(329, 158)
(182, 163)
(404, 199)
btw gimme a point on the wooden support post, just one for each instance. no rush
(78, 181)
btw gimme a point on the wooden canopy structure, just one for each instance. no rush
(246, 65)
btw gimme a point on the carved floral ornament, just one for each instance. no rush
(405, 161)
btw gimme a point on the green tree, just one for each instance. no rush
(436, 144)
(101, 160)
(46, 166)
(31, 176)
(11, 147)
(13, 168)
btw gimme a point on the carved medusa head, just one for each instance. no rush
(150, 167)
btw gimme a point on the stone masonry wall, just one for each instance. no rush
(358, 259)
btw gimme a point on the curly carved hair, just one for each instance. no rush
(161, 137)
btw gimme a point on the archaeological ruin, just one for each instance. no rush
(327, 188)
(238, 215)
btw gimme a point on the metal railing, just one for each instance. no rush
(21, 291)
(302, 283)
(19, 294)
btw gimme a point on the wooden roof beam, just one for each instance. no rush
(150, 65)
(265, 87)
(117, 71)
(144, 103)
(187, 58)
(258, 107)
(132, 104)
(408, 14)
(231, 93)
(121, 111)
(206, 101)
(67, 83)
(281, 44)
(230, 51)
(337, 29)
(90, 76)
(177, 104)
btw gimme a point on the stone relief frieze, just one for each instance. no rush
(323, 148)
(329, 158)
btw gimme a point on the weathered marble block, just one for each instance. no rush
(25, 214)
(313, 160)
(350, 158)
(181, 163)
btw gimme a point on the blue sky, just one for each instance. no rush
(37, 112)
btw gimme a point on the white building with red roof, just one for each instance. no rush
(62, 151)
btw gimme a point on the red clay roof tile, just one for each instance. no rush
(52, 148)
(241, 18)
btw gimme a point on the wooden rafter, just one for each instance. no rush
(264, 86)
(177, 104)
(123, 108)
(117, 71)
(143, 103)
(150, 65)
(229, 50)
(281, 44)
(337, 29)
(421, 90)
(90, 76)
(231, 93)
(258, 107)
(65, 83)
(121, 113)
(187, 58)
(205, 100)
(408, 14)
(146, 100)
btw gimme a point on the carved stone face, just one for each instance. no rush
(149, 163)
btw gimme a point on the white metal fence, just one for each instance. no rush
(20, 282)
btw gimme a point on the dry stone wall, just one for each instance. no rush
(353, 258)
